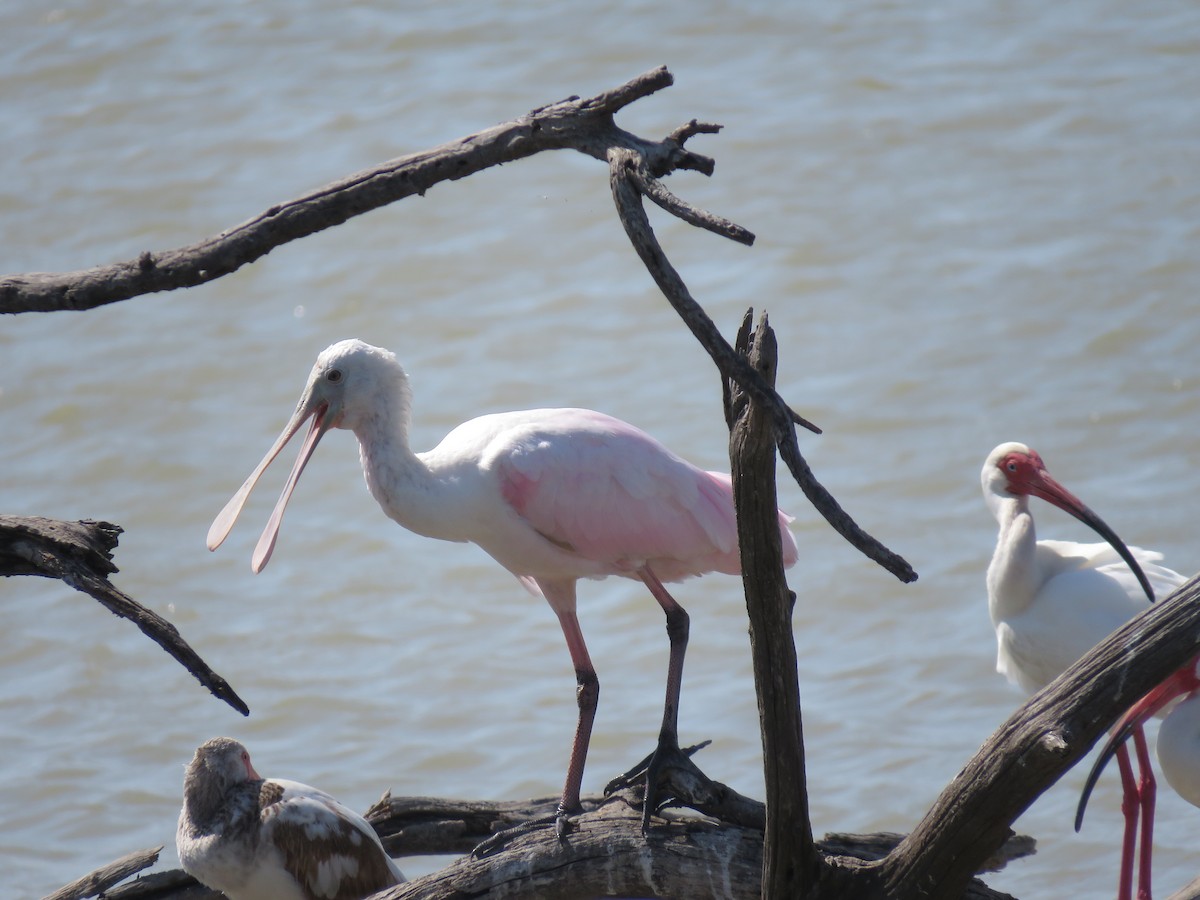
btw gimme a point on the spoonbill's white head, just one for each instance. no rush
(351, 385)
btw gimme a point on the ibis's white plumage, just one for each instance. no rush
(1052, 601)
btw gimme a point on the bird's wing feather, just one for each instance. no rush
(331, 850)
(1061, 557)
(609, 492)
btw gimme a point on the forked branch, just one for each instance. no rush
(586, 126)
(631, 179)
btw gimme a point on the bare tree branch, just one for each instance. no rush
(791, 865)
(80, 554)
(630, 178)
(586, 126)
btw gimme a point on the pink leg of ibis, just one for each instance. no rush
(1129, 808)
(1147, 790)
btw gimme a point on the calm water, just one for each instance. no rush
(976, 223)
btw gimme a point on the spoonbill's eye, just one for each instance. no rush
(334, 376)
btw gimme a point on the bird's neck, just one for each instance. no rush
(404, 483)
(1012, 574)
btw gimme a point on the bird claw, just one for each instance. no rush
(648, 774)
(636, 776)
(561, 820)
(563, 825)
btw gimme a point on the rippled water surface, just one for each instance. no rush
(976, 223)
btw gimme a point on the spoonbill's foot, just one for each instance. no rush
(669, 771)
(560, 820)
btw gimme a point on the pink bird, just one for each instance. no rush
(1053, 601)
(268, 839)
(553, 495)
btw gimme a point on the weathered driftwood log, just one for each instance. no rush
(1038, 744)
(1190, 891)
(606, 855)
(95, 883)
(80, 554)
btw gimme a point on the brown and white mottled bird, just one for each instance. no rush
(255, 838)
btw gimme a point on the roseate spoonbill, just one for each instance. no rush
(1177, 748)
(255, 838)
(553, 495)
(1052, 601)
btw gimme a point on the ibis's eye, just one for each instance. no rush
(334, 376)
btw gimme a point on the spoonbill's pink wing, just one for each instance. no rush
(613, 494)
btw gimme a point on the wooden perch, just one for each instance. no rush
(605, 856)
(1040, 742)
(80, 554)
(97, 882)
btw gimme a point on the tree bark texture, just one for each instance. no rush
(790, 862)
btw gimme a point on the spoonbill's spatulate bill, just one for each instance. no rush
(1053, 601)
(553, 495)
(269, 839)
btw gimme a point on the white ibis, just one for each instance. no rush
(1052, 601)
(255, 838)
(553, 495)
